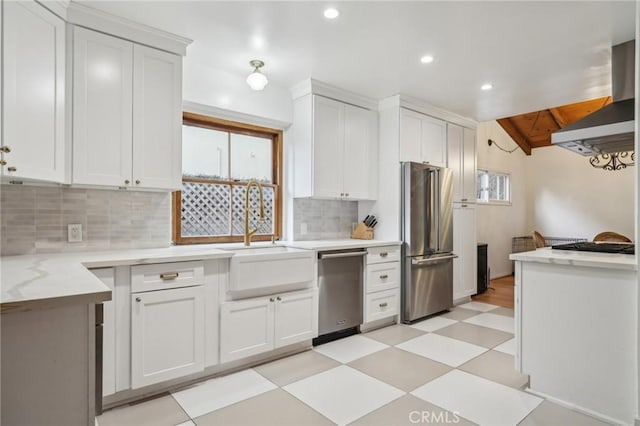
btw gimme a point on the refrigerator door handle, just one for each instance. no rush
(433, 259)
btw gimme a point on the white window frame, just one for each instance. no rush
(490, 201)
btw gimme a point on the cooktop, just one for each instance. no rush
(624, 248)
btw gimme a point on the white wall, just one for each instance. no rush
(570, 198)
(554, 191)
(498, 224)
(216, 88)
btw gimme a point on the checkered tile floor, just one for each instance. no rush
(456, 368)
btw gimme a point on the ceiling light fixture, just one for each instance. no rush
(427, 59)
(331, 13)
(256, 80)
(486, 86)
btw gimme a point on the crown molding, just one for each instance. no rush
(226, 114)
(311, 86)
(420, 106)
(94, 19)
(57, 7)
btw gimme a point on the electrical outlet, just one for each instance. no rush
(303, 228)
(74, 232)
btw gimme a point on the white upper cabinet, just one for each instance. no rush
(335, 149)
(127, 113)
(157, 118)
(103, 109)
(469, 166)
(34, 92)
(422, 138)
(328, 138)
(461, 144)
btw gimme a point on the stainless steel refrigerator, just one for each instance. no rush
(427, 234)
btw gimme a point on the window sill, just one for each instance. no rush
(493, 203)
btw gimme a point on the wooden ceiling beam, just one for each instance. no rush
(515, 134)
(558, 118)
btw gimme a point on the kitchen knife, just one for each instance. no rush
(374, 223)
(365, 220)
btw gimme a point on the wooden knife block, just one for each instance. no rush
(362, 232)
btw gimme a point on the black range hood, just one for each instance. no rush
(610, 129)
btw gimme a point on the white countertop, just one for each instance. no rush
(49, 280)
(578, 258)
(339, 244)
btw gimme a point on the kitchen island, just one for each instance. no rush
(576, 315)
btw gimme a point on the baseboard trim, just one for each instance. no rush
(580, 409)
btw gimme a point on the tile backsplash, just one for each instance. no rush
(34, 219)
(323, 219)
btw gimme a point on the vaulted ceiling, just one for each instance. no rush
(533, 129)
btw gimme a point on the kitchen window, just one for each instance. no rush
(493, 187)
(219, 158)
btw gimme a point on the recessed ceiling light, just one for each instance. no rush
(427, 59)
(331, 13)
(486, 86)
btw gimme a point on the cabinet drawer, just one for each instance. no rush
(382, 304)
(383, 254)
(383, 276)
(161, 276)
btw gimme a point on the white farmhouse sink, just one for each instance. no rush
(255, 271)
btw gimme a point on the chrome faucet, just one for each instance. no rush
(249, 232)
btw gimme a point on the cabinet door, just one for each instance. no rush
(469, 166)
(454, 160)
(434, 141)
(359, 147)
(102, 109)
(410, 136)
(246, 328)
(167, 335)
(465, 246)
(469, 250)
(328, 155)
(296, 317)
(157, 119)
(34, 92)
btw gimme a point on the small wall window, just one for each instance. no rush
(218, 159)
(493, 187)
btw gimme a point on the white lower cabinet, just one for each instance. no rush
(465, 246)
(253, 326)
(167, 334)
(382, 304)
(382, 285)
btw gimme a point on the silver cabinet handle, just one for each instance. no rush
(384, 277)
(433, 259)
(271, 299)
(12, 169)
(384, 254)
(126, 182)
(2, 162)
(278, 298)
(383, 305)
(346, 194)
(5, 149)
(169, 276)
(336, 255)
(463, 205)
(137, 181)
(138, 299)
(464, 199)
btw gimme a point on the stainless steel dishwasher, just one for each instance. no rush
(340, 279)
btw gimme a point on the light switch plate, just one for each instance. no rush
(74, 232)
